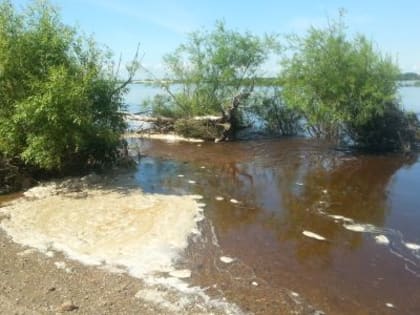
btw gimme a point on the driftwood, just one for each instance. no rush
(210, 127)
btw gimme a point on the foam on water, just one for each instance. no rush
(118, 230)
(412, 246)
(393, 239)
(382, 239)
(226, 259)
(313, 235)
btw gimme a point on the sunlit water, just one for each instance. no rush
(138, 93)
(341, 230)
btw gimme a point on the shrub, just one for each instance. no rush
(60, 98)
(343, 87)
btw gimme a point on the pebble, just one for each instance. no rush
(67, 306)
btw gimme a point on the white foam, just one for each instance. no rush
(180, 274)
(219, 198)
(234, 201)
(142, 233)
(226, 259)
(120, 230)
(159, 297)
(191, 181)
(60, 264)
(340, 218)
(382, 239)
(390, 305)
(188, 296)
(180, 175)
(313, 235)
(356, 227)
(26, 252)
(412, 246)
(254, 283)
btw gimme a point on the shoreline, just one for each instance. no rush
(41, 222)
(162, 136)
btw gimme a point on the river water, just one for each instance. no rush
(307, 227)
(341, 230)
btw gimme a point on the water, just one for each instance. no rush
(366, 207)
(292, 195)
(138, 93)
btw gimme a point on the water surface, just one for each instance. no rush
(289, 186)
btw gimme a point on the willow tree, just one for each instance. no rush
(211, 68)
(344, 87)
(60, 99)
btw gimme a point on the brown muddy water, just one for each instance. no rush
(330, 229)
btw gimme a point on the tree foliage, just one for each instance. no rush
(276, 117)
(59, 94)
(341, 85)
(212, 67)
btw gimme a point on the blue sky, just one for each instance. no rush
(161, 25)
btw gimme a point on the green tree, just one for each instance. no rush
(60, 97)
(340, 84)
(211, 68)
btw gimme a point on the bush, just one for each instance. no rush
(60, 99)
(276, 117)
(210, 69)
(344, 88)
(394, 130)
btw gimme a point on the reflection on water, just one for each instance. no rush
(286, 187)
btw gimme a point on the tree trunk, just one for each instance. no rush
(230, 120)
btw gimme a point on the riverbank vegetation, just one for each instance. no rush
(346, 90)
(330, 85)
(60, 96)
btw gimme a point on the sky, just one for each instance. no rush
(159, 26)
